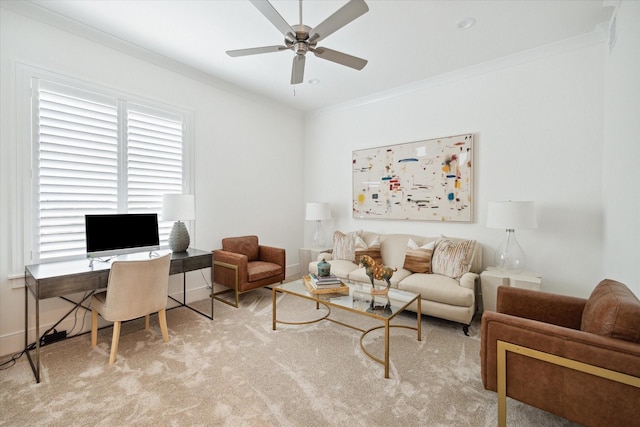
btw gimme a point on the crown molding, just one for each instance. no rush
(48, 17)
(592, 38)
(43, 15)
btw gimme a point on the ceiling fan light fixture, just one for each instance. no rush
(466, 23)
(300, 48)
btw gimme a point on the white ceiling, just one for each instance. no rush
(404, 41)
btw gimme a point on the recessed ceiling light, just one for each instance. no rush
(314, 81)
(467, 23)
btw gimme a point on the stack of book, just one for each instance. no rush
(316, 287)
(330, 281)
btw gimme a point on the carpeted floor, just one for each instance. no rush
(237, 371)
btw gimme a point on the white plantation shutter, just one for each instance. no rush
(77, 166)
(98, 154)
(154, 164)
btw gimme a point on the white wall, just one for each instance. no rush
(247, 155)
(621, 154)
(539, 119)
(538, 126)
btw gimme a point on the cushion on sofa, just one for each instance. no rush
(344, 245)
(339, 267)
(613, 311)
(394, 248)
(360, 275)
(438, 288)
(452, 259)
(372, 249)
(418, 258)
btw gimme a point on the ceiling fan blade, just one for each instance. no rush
(339, 58)
(256, 50)
(297, 71)
(275, 18)
(339, 19)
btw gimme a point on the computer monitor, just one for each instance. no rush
(117, 234)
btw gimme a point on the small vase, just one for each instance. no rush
(324, 268)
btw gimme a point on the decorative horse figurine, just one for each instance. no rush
(377, 271)
(382, 310)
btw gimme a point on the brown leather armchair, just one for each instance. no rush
(243, 265)
(600, 332)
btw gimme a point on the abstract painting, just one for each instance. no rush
(429, 180)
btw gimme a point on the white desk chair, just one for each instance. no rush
(135, 289)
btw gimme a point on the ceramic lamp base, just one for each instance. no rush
(179, 237)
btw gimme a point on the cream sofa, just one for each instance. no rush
(450, 298)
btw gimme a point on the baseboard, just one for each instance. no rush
(13, 342)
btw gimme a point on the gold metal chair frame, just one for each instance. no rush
(237, 293)
(235, 289)
(503, 347)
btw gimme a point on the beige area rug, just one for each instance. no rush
(237, 371)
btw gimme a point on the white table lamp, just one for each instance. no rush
(511, 216)
(178, 208)
(317, 212)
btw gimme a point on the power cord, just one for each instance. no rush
(75, 318)
(209, 285)
(43, 341)
(13, 359)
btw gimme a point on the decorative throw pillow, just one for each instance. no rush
(372, 249)
(418, 258)
(452, 259)
(344, 245)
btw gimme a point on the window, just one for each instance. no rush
(96, 153)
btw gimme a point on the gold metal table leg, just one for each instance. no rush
(419, 316)
(386, 349)
(273, 307)
(387, 324)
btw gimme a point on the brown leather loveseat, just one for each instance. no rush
(603, 331)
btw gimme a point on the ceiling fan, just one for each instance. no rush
(302, 39)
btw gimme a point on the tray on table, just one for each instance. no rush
(324, 289)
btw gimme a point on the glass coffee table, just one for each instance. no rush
(356, 299)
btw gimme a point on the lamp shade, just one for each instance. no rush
(317, 211)
(178, 207)
(511, 215)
